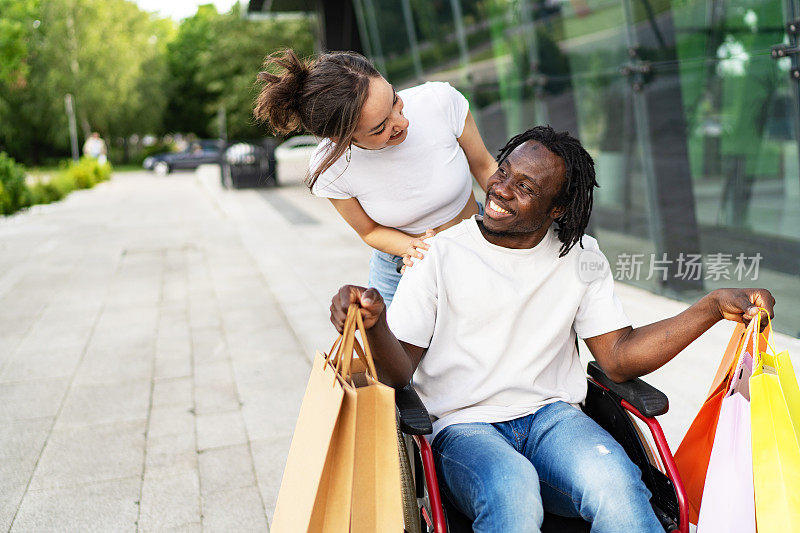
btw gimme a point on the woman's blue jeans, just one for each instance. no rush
(383, 273)
(503, 475)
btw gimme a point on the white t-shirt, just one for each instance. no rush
(420, 183)
(500, 324)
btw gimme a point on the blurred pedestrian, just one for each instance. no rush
(95, 147)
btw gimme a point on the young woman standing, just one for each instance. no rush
(396, 165)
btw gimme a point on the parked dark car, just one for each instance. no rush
(196, 154)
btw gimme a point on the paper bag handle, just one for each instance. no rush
(767, 331)
(348, 345)
(340, 356)
(343, 344)
(345, 355)
(333, 353)
(753, 331)
(367, 352)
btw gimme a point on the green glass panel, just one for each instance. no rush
(739, 108)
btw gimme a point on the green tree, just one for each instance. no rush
(17, 26)
(100, 47)
(128, 71)
(187, 100)
(108, 54)
(228, 67)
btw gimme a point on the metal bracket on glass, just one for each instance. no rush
(793, 27)
(779, 51)
(536, 79)
(638, 73)
(783, 50)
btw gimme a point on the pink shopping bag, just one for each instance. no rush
(728, 499)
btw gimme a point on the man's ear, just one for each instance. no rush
(557, 212)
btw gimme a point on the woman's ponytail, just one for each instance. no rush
(281, 95)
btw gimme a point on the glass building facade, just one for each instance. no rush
(690, 109)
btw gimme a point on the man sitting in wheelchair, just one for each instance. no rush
(486, 325)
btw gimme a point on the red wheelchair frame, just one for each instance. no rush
(607, 403)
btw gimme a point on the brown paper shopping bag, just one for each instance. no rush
(316, 489)
(377, 490)
(343, 469)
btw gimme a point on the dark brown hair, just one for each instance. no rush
(323, 97)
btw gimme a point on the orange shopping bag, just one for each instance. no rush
(694, 451)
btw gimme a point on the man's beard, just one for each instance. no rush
(503, 233)
(493, 233)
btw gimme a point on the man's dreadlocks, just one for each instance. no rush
(576, 194)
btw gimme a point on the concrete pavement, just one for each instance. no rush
(155, 340)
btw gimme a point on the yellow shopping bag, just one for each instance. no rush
(775, 424)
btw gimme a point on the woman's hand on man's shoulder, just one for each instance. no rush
(415, 249)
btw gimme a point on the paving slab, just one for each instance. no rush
(119, 402)
(208, 344)
(269, 456)
(170, 420)
(22, 400)
(35, 363)
(107, 366)
(89, 454)
(173, 357)
(234, 510)
(21, 444)
(226, 469)
(169, 501)
(215, 389)
(105, 506)
(220, 429)
(172, 392)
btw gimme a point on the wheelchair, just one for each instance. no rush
(612, 405)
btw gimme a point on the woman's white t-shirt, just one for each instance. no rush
(418, 184)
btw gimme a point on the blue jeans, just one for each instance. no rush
(383, 273)
(503, 475)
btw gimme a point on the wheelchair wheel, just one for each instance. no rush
(410, 508)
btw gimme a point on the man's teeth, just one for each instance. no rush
(497, 208)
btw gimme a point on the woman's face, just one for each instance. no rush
(382, 122)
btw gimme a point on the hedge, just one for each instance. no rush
(15, 194)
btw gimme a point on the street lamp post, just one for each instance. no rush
(73, 128)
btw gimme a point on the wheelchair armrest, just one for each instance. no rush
(647, 399)
(414, 418)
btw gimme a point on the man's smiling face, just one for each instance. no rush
(519, 199)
